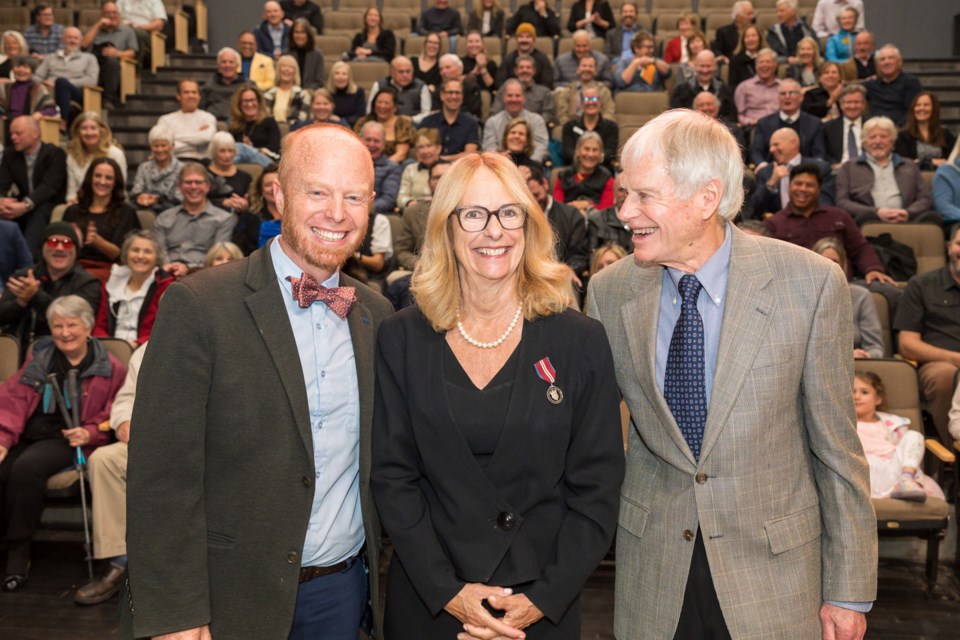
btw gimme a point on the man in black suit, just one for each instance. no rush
(773, 179)
(568, 225)
(843, 136)
(705, 68)
(39, 170)
(248, 499)
(807, 126)
(728, 36)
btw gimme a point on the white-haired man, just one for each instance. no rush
(742, 448)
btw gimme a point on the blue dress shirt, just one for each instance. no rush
(335, 531)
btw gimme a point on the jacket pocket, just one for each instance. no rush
(219, 540)
(794, 530)
(633, 517)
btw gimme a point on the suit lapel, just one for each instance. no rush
(640, 317)
(747, 314)
(268, 311)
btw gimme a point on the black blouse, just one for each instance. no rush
(113, 227)
(265, 133)
(384, 48)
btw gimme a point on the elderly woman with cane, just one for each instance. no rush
(37, 439)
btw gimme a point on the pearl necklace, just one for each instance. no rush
(495, 343)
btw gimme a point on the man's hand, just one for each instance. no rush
(110, 51)
(878, 276)
(838, 623)
(24, 287)
(893, 215)
(123, 432)
(467, 607)
(13, 209)
(147, 199)
(3, 452)
(77, 437)
(860, 353)
(177, 269)
(200, 633)
(780, 171)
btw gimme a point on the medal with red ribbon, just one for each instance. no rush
(547, 373)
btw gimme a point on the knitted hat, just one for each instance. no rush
(526, 27)
(61, 229)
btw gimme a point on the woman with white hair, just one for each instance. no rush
(880, 185)
(287, 101)
(12, 45)
(155, 185)
(35, 441)
(229, 185)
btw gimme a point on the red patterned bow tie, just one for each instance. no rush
(306, 291)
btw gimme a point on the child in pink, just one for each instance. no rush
(893, 450)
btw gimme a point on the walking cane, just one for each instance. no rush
(81, 461)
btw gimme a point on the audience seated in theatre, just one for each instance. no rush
(744, 60)
(880, 185)
(307, 10)
(216, 93)
(604, 228)
(386, 172)
(568, 226)
(514, 101)
(643, 71)
(12, 45)
(90, 138)
(862, 65)
(785, 34)
(37, 192)
(399, 130)
(273, 34)
(29, 291)
(728, 37)
(255, 67)
(843, 135)
(321, 111)
(892, 92)
(840, 43)
(821, 100)
(229, 185)
(591, 120)
(145, 17)
(828, 17)
(35, 441)
(191, 126)
(617, 41)
(543, 20)
(587, 184)
(410, 239)
(67, 72)
(476, 65)
(24, 96)
(451, 68)
(440, 19)
(758, 96)
(772, 191)
(255, 130)
(349, 100)
(709, 105)
(789, 115)
(867, 333)
(110, 41)
(929, 327)
(413, 94)
(373, 41)
(923, 138)
(805, 220)
(696, 43)
(486, 18)
(459, 131)
(303, 48)
(675, 49)
(155, 185)
(946, 191)
(131, 296)
(537, 98)
(704, 79)
(569, 99)
(287, 102)
(593, 16)
(102, 216)
(565, 67)
(187, 231)
(525, 37)
(415, 179)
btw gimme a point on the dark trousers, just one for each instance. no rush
(331, 607)
(63, 93)
(32, 225)
(700, 617)
(23, 485)
(110, 78)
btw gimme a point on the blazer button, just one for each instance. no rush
(506, 521)
(688, 535)
(306, 481)
(701, 478)
(293, 557)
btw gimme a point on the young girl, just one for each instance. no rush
(893, 451)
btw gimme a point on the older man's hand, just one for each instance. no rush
(838, 623)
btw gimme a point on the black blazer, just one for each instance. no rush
(833, 132)
(49, 175)
(571, 233)
(906, 147)
(385, 45)
(766, 200)
(475, 23)
(579, 11)
(809, 128)
(726, 40)
(556, 470)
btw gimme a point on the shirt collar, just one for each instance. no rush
(789, 119)
(713, 274)
(284, 266)
(946, 280)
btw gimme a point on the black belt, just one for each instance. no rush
(309, 573)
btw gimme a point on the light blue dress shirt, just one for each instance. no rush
(335, 531)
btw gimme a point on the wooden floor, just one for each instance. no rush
(44, 610)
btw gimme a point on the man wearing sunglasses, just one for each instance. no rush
(39, 171)
(28, 292)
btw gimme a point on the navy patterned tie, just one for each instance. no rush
(683, 387)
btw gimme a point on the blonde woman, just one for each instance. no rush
(807, 67)
(287, 101)
(90, 138)
(349, 100)
(472, 517)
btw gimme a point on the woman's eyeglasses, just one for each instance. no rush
(475, 218)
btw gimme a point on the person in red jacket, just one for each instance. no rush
(35, 441)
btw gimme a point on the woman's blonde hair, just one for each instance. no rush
(238, 121)
(229, 248)
(289, 59)
(332, 86)
(817, 60)
(75, 148)
(542, 284)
